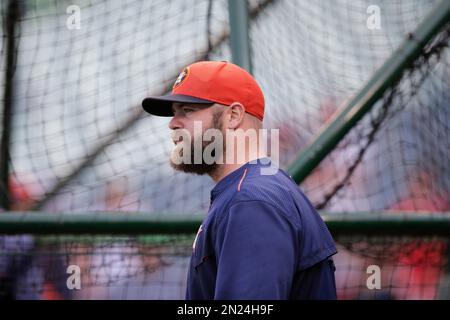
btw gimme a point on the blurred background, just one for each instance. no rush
(75, 140)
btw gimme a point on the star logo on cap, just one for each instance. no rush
(183, 75)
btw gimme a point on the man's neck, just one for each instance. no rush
(225, 169)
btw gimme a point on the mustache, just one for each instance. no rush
(179, 134)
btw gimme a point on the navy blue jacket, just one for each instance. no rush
(261, 239)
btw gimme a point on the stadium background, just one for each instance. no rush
(78, 143)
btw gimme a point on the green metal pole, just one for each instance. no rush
(239, 33)
(97, 223)
(12, 17)
(362, 103)
(143, 224)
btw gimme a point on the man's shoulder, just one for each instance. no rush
(278, 191)
(272, 187)
(275, 191)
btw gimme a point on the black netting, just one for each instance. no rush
(155, 267)
(81, 143)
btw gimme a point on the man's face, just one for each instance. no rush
(185, 117)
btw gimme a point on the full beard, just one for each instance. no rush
(202, 167)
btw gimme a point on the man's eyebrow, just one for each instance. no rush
(181, 105)
(190, 106)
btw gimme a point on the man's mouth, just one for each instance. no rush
(175, 142)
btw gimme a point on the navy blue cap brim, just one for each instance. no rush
(162, 105)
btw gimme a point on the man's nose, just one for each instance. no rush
(175, 123)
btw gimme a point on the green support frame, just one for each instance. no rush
(114, 223)
(374, 89)
(11, 16)
(239, 33)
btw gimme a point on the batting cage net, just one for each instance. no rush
(76, 143)
(155, 267)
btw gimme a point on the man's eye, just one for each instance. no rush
(187, 110)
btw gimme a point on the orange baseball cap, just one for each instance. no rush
(209, 82)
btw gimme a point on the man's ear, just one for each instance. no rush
(236, 112)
